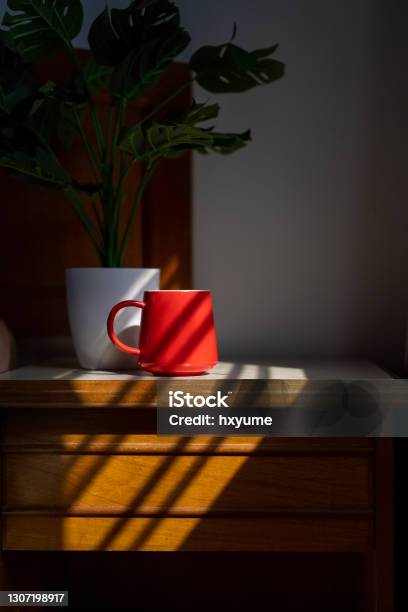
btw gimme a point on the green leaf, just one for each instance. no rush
(138, 42)
(230, 69)
(163, 141)
(222, 142)
(67, 129)
(62, 94)
(227, 143)
(38, 168)
(14, 92)
(43, 119)
(261, 53)
(133, 141)
(97, 76)
(178, 133)
(14, 111)
(18, 90)
(115, 33)
(107, 48)
(63, 117)
(38, 28)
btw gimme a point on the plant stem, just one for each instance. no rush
(118, 127)
(164, 102)
(114, 199)
(110, 239)
(94, 115)
(109, 135)
(117, 207)
(45, 144)
(114, 216)
(97, 214)
(88, 146)
(77, 205)
(115, 135)
(142, 186)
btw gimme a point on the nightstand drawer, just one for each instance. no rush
(279, 533)
(188, 485)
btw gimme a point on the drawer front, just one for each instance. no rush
(186, 484)
(102, 480)
(288, 534)
(133, 432)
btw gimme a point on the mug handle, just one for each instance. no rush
(111, 320)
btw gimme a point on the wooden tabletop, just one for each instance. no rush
(60, 382)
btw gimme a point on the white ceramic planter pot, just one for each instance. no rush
(91, 293)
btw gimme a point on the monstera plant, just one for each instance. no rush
(130, 49)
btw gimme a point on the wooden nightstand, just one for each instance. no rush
(83, 470)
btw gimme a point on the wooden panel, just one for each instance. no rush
(51, 237)
(311, 534)
(75, 393)
(186, 485)
(53, 388)
(121, 442)
(121, 431)
(384, 525)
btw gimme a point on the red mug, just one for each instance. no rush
(177, 335)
